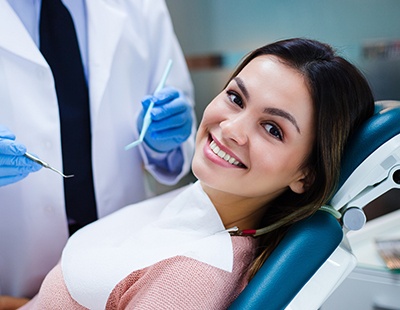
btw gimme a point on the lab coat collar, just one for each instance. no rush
(102, 254)
(105, 20)
(22, 44)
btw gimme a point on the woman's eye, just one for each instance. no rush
(235, 98)
(274, 131)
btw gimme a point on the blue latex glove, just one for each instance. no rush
(171, 119)
(14, 166)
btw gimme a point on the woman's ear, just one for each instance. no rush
(303, 183)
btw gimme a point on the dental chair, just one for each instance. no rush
(315, 257)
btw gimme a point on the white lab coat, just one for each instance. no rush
(129, 44)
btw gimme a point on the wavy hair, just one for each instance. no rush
(342, 100)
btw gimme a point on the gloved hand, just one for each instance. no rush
(14, 166)
(171, 119)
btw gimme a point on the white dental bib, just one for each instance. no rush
(182, 222)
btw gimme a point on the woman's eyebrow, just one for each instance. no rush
(284, 114)
(272, 111)
(242, 87)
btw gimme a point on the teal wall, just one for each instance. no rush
(237, 26)
(221, 25)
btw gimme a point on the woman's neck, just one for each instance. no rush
(239, 211)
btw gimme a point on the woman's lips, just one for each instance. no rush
(223, 154)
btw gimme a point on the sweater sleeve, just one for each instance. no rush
(184, 283)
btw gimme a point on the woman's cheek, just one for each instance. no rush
(215, 112)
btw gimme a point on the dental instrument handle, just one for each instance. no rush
(164, 77)
(46, 165)
(147, 116)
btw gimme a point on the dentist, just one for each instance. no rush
(79, 118)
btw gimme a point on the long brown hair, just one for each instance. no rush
(342, 100)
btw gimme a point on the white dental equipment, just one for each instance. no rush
(46, 165)
(147, 117)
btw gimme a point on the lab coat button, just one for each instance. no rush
(49, 209)
(40, 73)
(48, 145)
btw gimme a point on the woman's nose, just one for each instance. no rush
(235, 129)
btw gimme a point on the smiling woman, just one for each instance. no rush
(341, 100)
(267, 154)
(263, 119)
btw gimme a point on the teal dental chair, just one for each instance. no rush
(315, 257)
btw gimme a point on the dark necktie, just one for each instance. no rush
(59, 46)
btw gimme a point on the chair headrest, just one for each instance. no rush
(370, 157)
(381, 127)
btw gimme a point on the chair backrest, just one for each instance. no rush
(297, 257)
(310, 242)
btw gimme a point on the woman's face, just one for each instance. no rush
(256, 134)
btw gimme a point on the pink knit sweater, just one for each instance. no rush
(175, 283)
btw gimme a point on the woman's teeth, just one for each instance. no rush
(214, 147)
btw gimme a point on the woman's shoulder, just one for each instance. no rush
(244, 252)
(203, 286)
(180, 276)
(244, 245)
